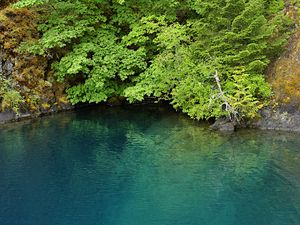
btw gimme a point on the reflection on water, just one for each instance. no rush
(145, 166)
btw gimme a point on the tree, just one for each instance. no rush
(168, 50)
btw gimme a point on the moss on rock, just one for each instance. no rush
(29, 74)
(284, 73)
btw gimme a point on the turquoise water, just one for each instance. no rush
(145, 166)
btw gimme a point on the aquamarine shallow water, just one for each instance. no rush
(145, 166)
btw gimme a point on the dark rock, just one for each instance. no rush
(2, 26)
(6, 67)
(278, 120)
(65, 107)
(115, 101)
(7, 117)
(1, 62)
(1, 66)
(54, 108)
(44, 111)
(224, 125)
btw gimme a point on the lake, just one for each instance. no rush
(145, 165)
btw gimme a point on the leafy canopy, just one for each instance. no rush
(203, 56)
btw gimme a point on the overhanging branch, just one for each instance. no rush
(228, 107)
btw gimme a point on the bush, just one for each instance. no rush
(10, 99)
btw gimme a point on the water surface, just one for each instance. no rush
(145, 166)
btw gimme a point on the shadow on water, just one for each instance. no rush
(145, 165)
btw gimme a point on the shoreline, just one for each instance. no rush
(272, 120)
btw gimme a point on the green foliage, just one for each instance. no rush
(168, 50)
(10, 98)
(242, 89)
(29, 3)
(106, 65)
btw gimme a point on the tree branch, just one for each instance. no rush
(228, 107)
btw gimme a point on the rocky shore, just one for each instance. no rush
(269, 119)
(10, 116)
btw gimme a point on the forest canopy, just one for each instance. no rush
(206, 57)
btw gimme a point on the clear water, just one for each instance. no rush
(145, 166)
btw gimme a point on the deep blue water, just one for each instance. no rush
(145, 166)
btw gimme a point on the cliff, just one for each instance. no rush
(284, 76)
(27, 85)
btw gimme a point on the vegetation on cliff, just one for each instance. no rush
(206, 57)
(284, 73)
(26, 85)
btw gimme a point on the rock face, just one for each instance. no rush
(270, 120)
(6, 117)
(277, 120)
(284, 73)
(23, 73)
(284, 76)
(6, 67)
